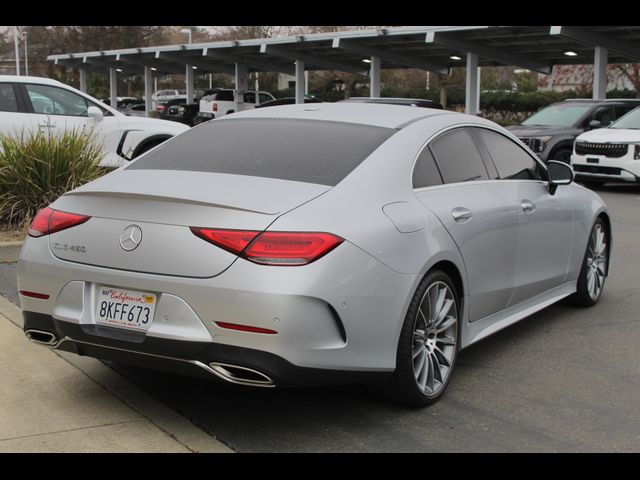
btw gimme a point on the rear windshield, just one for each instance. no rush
(309, 151)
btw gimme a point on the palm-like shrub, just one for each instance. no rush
(37, 168)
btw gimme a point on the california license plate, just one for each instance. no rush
(128, 309)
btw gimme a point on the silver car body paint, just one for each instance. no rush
(511, 264)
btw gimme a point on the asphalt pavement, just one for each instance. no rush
(564, 380)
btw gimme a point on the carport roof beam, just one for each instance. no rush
(311, 60)
(593, 39)
(488, 52)
(233, 59)
(161, 67)
(390, 56)
(206, 66)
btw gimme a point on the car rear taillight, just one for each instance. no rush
(214, 107)
(272, 248)
(49, 221)
(234, 241)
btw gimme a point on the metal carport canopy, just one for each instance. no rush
(430, 48)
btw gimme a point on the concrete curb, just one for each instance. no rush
(170, 422)
(9, 251)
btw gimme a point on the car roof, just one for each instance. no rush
(30, 79)
(374, 114)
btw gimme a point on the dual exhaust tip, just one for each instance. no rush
(229, 373)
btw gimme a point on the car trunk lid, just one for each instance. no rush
(159, 207)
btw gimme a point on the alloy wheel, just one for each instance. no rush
(596, 261)
(435, 334)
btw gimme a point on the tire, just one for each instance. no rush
(594, 267)
(415, 381)
(591, 184)
(562, 155)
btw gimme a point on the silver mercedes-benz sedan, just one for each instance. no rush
(314, 244)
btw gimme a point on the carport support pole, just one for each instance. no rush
(83, 80)
(242, 81)
(148, 90)
(113, 88)
(374, 77)
(471, 97)
(189, 80)
(600, 62)
(300, 81)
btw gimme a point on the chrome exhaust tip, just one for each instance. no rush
(41, 337)
(241, 375)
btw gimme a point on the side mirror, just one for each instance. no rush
(95, 113)
(593, 124)
(560, 173)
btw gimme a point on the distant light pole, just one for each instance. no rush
(16, 43)
(26, 54)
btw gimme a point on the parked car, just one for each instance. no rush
(289, 246)
(410, 102)
(123, 102)
(551, 131)
(609, 154)
(162, 96)
(286, 101)
(135, 110)
(29, 104)
(221, 101)
(179, 111)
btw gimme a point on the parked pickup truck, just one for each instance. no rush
(221, 101)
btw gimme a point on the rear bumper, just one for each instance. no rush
(341, 313)
(237, 365)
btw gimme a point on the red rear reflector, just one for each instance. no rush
(234, 241)
(40, 296)
(290, 248)
(245, 328)
(214, 107)
(49, 221)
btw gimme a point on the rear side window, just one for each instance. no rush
(425, 173)
(225, 96)
(512, 162)
(8, 102)
(458, 157)
(309, 151)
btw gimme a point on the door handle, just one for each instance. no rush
(528, 206)
(461, 214)
(46, 125)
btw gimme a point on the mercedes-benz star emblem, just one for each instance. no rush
(130, 238)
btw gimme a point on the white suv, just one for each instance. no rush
(609, 154)
(29, 104)
(221, 101)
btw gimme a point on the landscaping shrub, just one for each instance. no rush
(37, 168)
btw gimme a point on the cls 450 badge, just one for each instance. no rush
(69, 248)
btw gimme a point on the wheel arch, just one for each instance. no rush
(149, 142)
(609, 237)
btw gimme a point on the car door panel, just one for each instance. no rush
(484, 226)
(545, 221)
(544, 239)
